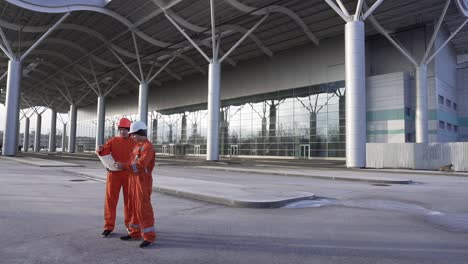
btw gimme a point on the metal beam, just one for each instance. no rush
(213, 31)
(358, 10)
(66, 88)
(61, 118)
(47, 33)
(400, 48)
(436, 31)
(95, 77)
(63, 94)
(125, 65)
(160, 70)
(94, 34)
(243, 38)
(275, 9)
(5, 42)
(30, 105)
(371, 9)
(188, 37)
(448, 40)
(82, 97)
(3, 75)
(115, 84)
(338, 10)
(150, 71)
(343, 8)
(137, 53)
(6, 52)
(90, 86)
(43, 110)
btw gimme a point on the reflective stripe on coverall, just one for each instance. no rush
(140, 190)
(120, 148)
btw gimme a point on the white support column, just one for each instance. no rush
(53, 131)
(26, 135)
(37, 136)
(355, 95)
(150, 127)
(422, 135)
(64, 137)
(214, 85)
(143, 102)
(10, 136)
(101, 120)
(72, 137)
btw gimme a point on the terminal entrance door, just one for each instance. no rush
(234, 151)
(305, 151)
(171, 149)
(196, 150)
(164, 149)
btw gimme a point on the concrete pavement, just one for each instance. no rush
(46, 216)
(238, 195)
(42, 162)
(339, 175)
(247, 194)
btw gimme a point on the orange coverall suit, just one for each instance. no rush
(141, 167)
(120, 148)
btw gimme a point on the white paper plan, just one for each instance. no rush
(108, 162)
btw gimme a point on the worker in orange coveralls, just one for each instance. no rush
(120, 148)
(141, 166)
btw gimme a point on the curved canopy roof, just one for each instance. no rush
(89, 46)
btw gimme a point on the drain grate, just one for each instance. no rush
(381, 184)
(78, 180)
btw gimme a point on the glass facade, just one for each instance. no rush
(302, 122)
(86, 135)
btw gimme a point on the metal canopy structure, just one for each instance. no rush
(66, 54)
(86, 40)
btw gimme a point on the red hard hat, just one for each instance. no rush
(124, 123)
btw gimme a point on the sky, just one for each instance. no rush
(45, 126)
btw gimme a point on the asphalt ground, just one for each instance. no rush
(51, 216)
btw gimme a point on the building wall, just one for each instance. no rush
(462, 97)
(445, 85)
(384, 58)
(303, 66)
(390, 87)
(386, 108)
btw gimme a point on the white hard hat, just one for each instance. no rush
(138, 125)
